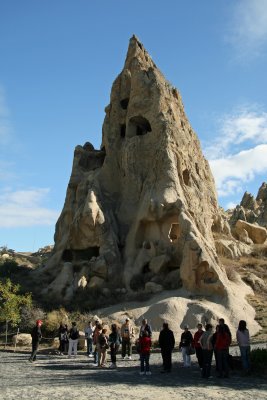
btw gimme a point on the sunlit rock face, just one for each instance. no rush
(138, 212)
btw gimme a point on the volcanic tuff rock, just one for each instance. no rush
(248, 220)
(138, 212)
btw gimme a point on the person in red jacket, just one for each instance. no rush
(145, 346)
(197, 346)
(223, 341)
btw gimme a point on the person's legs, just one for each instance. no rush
(142, 361)
(104, 355)
(245, 353)
(130, 346)
(147, 368)
(184, 355)
(70, 347)
(75, 345)
(199, 354)
(208, 362)
(123, 348)
(34, 351)
(225, 363)
(220, 362)
(188, 360)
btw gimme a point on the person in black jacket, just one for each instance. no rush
(185, 343)
(166, 343)
(36, 335)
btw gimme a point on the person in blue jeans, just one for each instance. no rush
(243, 340)
(89, 338)
(145, 346)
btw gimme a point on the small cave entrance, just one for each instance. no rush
(70, 255)
(124, 103)
(67, 255)
(174, 232)
(123, 130)
(186, 177)
(138, 126)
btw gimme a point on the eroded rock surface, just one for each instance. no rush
(138, 212)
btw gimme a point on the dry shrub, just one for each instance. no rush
(54, 319)
(231, 273)
(259, 250)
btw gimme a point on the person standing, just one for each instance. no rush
(145, 346)
(185, 343)
(197, 346)
(166, 344)
(63, 338)
(73, 340)
(222, 344)
(205, 342)
(243, 340)
(114, 343)
(89, 339)
(97, 329)
(145, 327)
(36, 335)
(127, 336)
(102, 346)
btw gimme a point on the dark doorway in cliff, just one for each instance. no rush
(86, 254)
(186, 177)
(138, 126)
(124, 103)
(123, 130)
(67, 255)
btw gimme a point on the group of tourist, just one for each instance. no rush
(203, 343)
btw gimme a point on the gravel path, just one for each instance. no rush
(54, 377)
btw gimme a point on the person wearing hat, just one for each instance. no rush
(36, 335)
(127, 336)
(185, 343)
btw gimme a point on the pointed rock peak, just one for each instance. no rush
(262, 193)
(136, 51)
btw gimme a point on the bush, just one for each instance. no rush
(8, 268)
(29, 316)
(259, 360)
(53, 319)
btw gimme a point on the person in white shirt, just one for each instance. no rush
(243, 340)
(89, 338)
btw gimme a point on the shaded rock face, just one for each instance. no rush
(138, 213)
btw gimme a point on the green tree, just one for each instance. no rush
(11, 303)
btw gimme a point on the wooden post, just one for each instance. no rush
(16, 340)
(6, 333)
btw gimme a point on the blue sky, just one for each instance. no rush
(58, 60)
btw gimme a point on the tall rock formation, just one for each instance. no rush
(138, 212)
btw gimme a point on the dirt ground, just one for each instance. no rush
(58, 377)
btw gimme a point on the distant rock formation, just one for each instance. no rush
(138, 212)
(248, 220)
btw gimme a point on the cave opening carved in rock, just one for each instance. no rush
(138, 126)
(124, 103)
(70, 255)
(174, 232)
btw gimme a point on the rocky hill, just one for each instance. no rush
(141, 221)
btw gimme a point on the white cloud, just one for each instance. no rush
(238, 153)
(23, 208)
(248, 28)
(245, 125)
(233, 171)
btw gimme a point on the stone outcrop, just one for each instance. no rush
(252, 210)
(250, 233)
(138, 213)
(248, 220)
